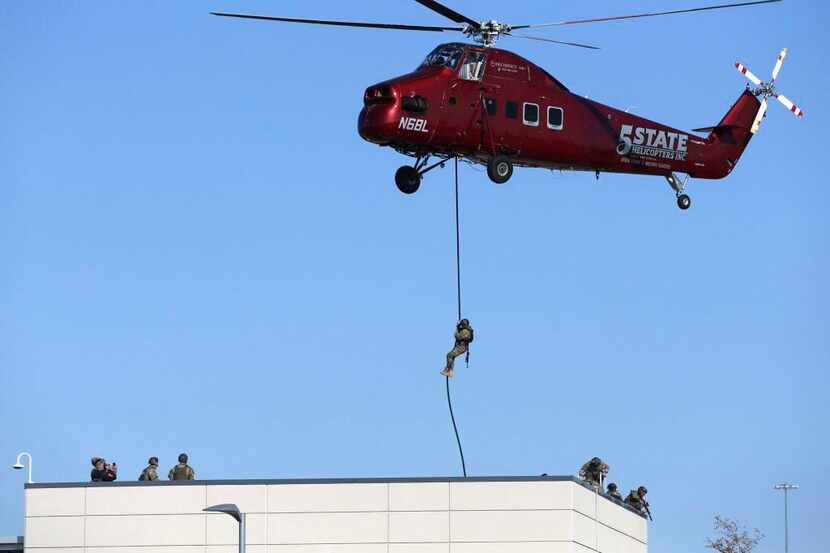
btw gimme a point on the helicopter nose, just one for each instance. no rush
(378, 118)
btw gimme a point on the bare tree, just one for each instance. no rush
(732, 537)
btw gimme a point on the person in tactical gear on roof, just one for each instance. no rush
(594, 471)
(150, 472)
(637, 499)
(182, 471)
(613, 493)
(463, 338)
(103, 471)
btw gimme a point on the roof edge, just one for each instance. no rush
(287, 481)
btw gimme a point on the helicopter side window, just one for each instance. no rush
(511, 110)
(491, 106)
(473, 67)
(556, 118)
(448, 56)
(531, 114)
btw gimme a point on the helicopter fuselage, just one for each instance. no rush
(478, 103)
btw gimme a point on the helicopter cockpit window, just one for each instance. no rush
(448, 56)
(473, 67)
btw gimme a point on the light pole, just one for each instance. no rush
(786, 487)
(18, 465)
(232, 510)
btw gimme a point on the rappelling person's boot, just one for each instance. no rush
(448, 372)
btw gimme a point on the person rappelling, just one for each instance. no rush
(463, 339)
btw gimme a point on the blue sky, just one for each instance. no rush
(200, 254)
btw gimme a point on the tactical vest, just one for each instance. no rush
(181, 472)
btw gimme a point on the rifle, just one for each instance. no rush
(645, 507)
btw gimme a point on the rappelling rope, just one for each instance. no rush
(458, 288)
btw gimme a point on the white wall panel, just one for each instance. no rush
(144, 500)
(147, 530)
(623, 520)
(419, 548)
(54, 532)
(429, 526)
(585, 501)
(578, 548)
(512, 547)
(584, 530)
(321, 498)
(611, 541)
(54, 501)
(54, 550)
(330, 548)
(249, 499)
(228, 549)
(169, 549)
(294, 528)
(419, 496)
(510, 495)
(224, 530)
(494, 526)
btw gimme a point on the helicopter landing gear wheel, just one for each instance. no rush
(408, 179)
(684, 202)
(499, 169)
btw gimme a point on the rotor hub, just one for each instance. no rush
(487, 33)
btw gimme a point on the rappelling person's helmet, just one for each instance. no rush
(464, 323)
(183, 458)
(642, 491)
(153, 461)
(612, 487)
(596, 461)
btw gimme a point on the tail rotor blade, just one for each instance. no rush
(747, 73)
(758, 118)
(789, 105)
(778, 64)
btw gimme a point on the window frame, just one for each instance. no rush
(480, 64)
(525, 121)
(562, 118)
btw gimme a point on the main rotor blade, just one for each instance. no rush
(556, 41)
(341, 23)
(648, 14)
(448, 13)
(778, 64)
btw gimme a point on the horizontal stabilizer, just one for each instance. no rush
(715, 128)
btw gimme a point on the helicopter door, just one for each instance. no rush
(462, 103)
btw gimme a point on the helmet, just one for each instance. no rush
(642, 490)
(183, 458)
(153, 461)
(596, 461)
(464, 322)
(95, 460)
(612, 487)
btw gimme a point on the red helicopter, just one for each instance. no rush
(493, 107)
